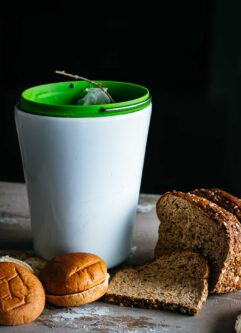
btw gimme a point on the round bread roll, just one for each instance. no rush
(22, 296)
(74, 279)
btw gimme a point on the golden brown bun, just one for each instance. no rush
(22, 297)
(72, 273)
(84, 297)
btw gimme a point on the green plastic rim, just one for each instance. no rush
(58, 99)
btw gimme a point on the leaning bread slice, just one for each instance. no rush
(176, 281)
(188, 221)
(80, 298)
(221, 198)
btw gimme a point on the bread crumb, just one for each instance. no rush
(238, 324)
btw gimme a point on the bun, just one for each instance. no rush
(81, 298)
(74, 279)
(22, 297)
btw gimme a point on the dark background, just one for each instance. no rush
(187, 53)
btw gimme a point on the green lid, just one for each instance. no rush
(60, 99)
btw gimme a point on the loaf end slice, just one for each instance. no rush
(176, 281)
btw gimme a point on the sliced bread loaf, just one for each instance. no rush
(221, 198)
(188, 221)
(176, 281)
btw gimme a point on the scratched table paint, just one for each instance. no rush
(218, 314)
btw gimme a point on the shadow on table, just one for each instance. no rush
(225, 322)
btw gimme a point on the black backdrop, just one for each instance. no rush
(186, 53)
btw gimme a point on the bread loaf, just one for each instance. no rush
(188, 221)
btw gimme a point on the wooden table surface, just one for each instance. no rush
(218, 314)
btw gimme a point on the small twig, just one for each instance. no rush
(77, 77)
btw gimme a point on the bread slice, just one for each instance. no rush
(188, 221)
(176, 281)
(221, 198)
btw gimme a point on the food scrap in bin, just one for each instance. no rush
(93, 95)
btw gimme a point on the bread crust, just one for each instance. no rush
(149, 304)
(22, 297)
(73, 273)
(221, 198)
(81, 298)
(229, 278)
(228, 196)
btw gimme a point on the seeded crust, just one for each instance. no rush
(221, 198)
(176, 281)
(223, 235)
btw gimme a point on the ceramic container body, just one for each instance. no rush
(83, 179)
